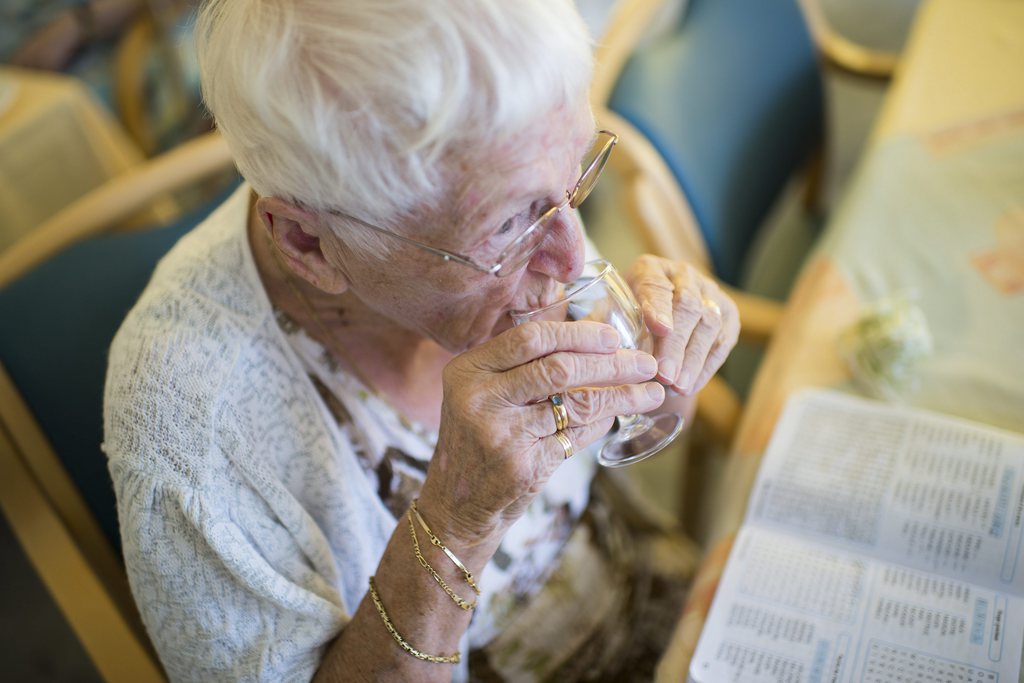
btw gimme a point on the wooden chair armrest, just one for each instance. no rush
(68, 551)
(150, 41)
(759, 316)
(659, 210)
(116, 200)
(845, 54)
(129, 81)
(629, 20)
(719, 409)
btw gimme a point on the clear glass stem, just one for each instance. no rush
(632, 426)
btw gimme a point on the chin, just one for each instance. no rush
(461, 344)
(501, 324)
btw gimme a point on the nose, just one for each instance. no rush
(563, 252)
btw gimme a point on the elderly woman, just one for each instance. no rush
(333, 454)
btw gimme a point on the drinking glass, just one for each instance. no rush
(601, 295)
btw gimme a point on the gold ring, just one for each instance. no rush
(712, 306)
(566, 443)
(561, 416)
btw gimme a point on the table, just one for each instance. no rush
(56, 143)
(937, 206)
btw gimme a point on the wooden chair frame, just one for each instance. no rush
(64, 544)
(48, 516)
(666, 225)
(659, 209)
(116, 201)
(844, 54)
(151, 34)
(631, 20)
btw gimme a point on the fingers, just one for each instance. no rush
(535, 340)
(673, 349)
(591, 405)
(724, 342)
(703, 327)
(562, 370)
(578, 439)
(669, 295)
(698, 348)
(653, 286)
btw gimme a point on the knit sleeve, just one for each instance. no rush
(215, 607)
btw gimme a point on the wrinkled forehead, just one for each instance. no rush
(532, 164)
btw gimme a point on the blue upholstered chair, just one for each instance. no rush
(717, 103)
(729, 93)
(63, 293)
(731, 97)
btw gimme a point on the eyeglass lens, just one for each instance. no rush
(593, 163)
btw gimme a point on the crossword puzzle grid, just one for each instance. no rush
(894, 664)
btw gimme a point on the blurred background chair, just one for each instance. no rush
(135, 56)
(64, 291)
(156, 78)
(862, 38)
(730, 94)
(856, 57)
(719, 105)
(59, 134)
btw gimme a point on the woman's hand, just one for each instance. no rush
(496, 447)
(694, 324)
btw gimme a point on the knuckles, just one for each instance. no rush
(532, 337)
(689, 302)
(586, 405)
(647, 265)
(555, 371)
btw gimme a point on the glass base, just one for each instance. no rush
(639, 437)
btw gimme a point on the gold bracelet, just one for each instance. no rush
(433, 572)
(437, 541)
(451, 659)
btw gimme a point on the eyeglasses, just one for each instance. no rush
(518, 252)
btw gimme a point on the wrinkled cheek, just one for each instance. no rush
(491, 313)
(503, 323)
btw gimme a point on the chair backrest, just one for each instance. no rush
(732, 100)
(61, 318)
(156, 80)
(60, 312)
(640, 185)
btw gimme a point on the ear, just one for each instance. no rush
(295, 233)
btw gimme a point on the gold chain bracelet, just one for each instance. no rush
(433, 572)
(451, 659)
(437, 542)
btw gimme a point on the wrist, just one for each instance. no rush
(471, 545)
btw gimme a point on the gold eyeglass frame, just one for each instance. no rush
(573, 198)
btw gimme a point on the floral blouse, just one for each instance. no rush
(583, 587)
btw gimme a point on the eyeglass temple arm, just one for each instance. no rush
(446, 255)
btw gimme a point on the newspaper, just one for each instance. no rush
(881, 543)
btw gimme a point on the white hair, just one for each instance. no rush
(355, 104)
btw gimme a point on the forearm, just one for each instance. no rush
(419, 609)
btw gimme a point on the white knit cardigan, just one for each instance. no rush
(249, 529)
